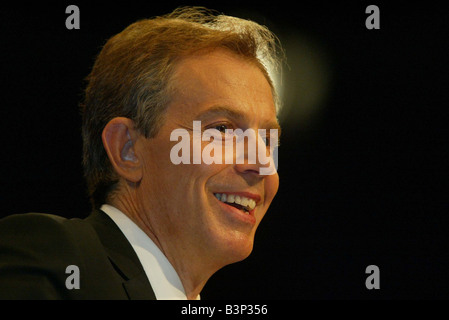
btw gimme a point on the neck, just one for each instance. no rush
(191, 269)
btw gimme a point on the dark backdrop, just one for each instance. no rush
(364, 170)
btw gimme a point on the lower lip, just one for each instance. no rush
(238, 214)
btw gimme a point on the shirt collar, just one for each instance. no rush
(163, 278)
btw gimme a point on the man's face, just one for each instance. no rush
(181, 202)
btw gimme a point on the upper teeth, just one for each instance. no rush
(250, 204)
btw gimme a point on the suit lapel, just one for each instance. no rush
(138, 288)
(122, 256)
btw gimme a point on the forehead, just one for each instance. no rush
(221, 78)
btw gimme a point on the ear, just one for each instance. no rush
(119, 137)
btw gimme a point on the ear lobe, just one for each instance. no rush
(118, 142)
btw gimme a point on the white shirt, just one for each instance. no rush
(163, 278)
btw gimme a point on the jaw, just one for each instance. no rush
(232, 231)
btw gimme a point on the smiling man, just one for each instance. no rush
(159, 230)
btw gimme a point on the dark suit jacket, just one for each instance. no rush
(35, 250)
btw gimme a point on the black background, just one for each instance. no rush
(367, 184)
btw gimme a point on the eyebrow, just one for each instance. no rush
(233, 114)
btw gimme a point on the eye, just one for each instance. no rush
(222, 127)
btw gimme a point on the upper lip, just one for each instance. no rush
(246, 194)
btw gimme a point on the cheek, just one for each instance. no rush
(184, 188)
(271, 187)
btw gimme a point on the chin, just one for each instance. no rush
(229, 240)
(237, 248)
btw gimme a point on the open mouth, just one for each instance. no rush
(237, 201)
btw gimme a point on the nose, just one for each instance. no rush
(251, 154)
